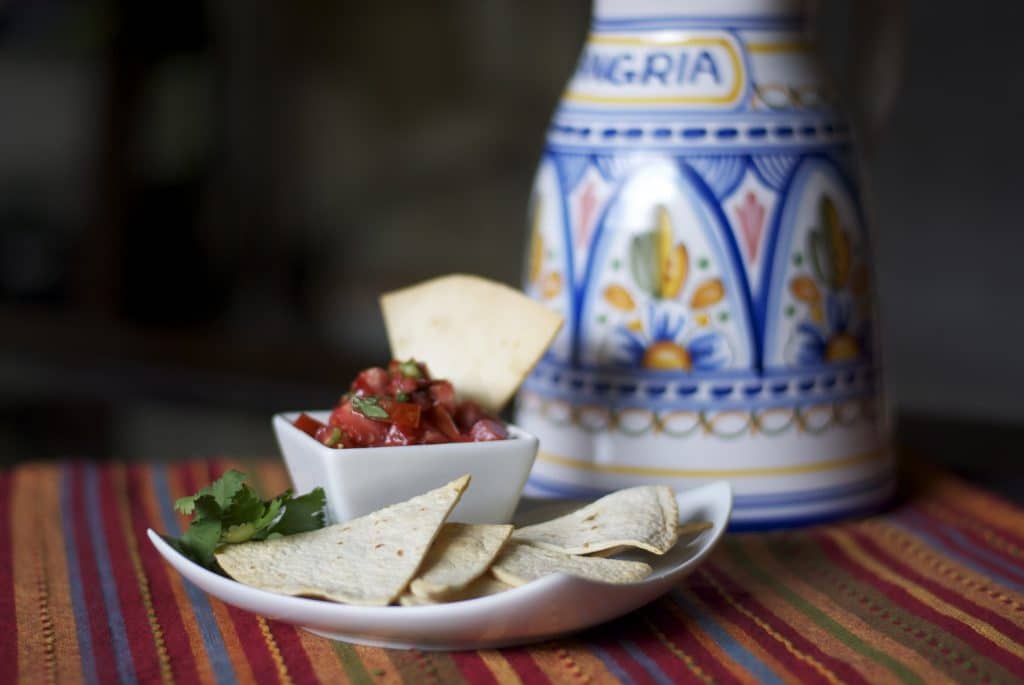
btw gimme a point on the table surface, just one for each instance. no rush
(930, 591)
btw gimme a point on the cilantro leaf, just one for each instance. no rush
(200, 541)
(369, 407)
(410, 369)
(302, 514)
(230, 512)
(221, 490)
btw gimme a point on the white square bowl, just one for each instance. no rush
(362, 480)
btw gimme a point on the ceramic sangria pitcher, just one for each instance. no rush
(697, 219)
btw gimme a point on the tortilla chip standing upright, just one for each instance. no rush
(368, 560)
(483, 336)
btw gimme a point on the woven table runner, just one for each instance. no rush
(930, 592)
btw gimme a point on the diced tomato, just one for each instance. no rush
(359, 429)
(485, 430)
(401, 413)
(444, 423)
(371, 381)
(404, 384)
(402, 435)
(443, 394)
(408, 408)
(468, 413)
(307, 424)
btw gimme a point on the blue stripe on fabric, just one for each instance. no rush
(911, 526)
(725, 640)
(108, 584)
(75, 580)
(646, 662)
(611, 664)
(223, 671)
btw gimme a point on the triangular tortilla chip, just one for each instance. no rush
(461, 553)
(646, 517)
(369, 560)
(519, 564)
(482, 336)
(481, 587)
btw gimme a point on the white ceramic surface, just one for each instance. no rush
(546, 608)
(362, 480)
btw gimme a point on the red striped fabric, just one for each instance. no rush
(929, 591)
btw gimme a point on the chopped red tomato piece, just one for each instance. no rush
(487, 429)
(401, 413)
(307, 424)
(445, 424)
(401, 405)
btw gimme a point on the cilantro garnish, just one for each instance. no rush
(410, 369)
(228, 511)
(369, 407)
(402, 396)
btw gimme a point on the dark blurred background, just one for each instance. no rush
(201, 201)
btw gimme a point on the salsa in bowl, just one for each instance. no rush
(373, 449)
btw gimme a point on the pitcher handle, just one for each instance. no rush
(877, 66)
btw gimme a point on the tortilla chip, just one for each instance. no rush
(369, 560)
(482, 336)
(481, 587)
(519, 564)
(646, 517)
(461, 553)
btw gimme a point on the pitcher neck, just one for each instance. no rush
(610, 15)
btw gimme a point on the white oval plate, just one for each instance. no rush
(546, 608)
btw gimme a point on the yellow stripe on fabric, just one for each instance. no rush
(33, 612)
(769, 594)
(275, 651)
(236, 653)
(56, 582)
(667, 472)
(124, 516)
(980, 504)
(740, 635)
(741, 674)
(561, 667)
(322, 657)
(150, 502)
(992, 537)
(30, 594)
(678, 652)
(499, 667)
(592, 667)
(959, 579)
(801, 579)
(854, 551)
(787, 645)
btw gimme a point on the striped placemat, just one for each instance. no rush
(931, 592)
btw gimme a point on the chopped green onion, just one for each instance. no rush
(368, 407)
(410, 369)
(402, 396)
(334, 438)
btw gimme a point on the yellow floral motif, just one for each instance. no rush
(536, 245)
(666, 354)
(804, 289)
(703, 319)
(658, 264)
(619, 297)
(551, 285)
(673, 258)
(708, 293)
